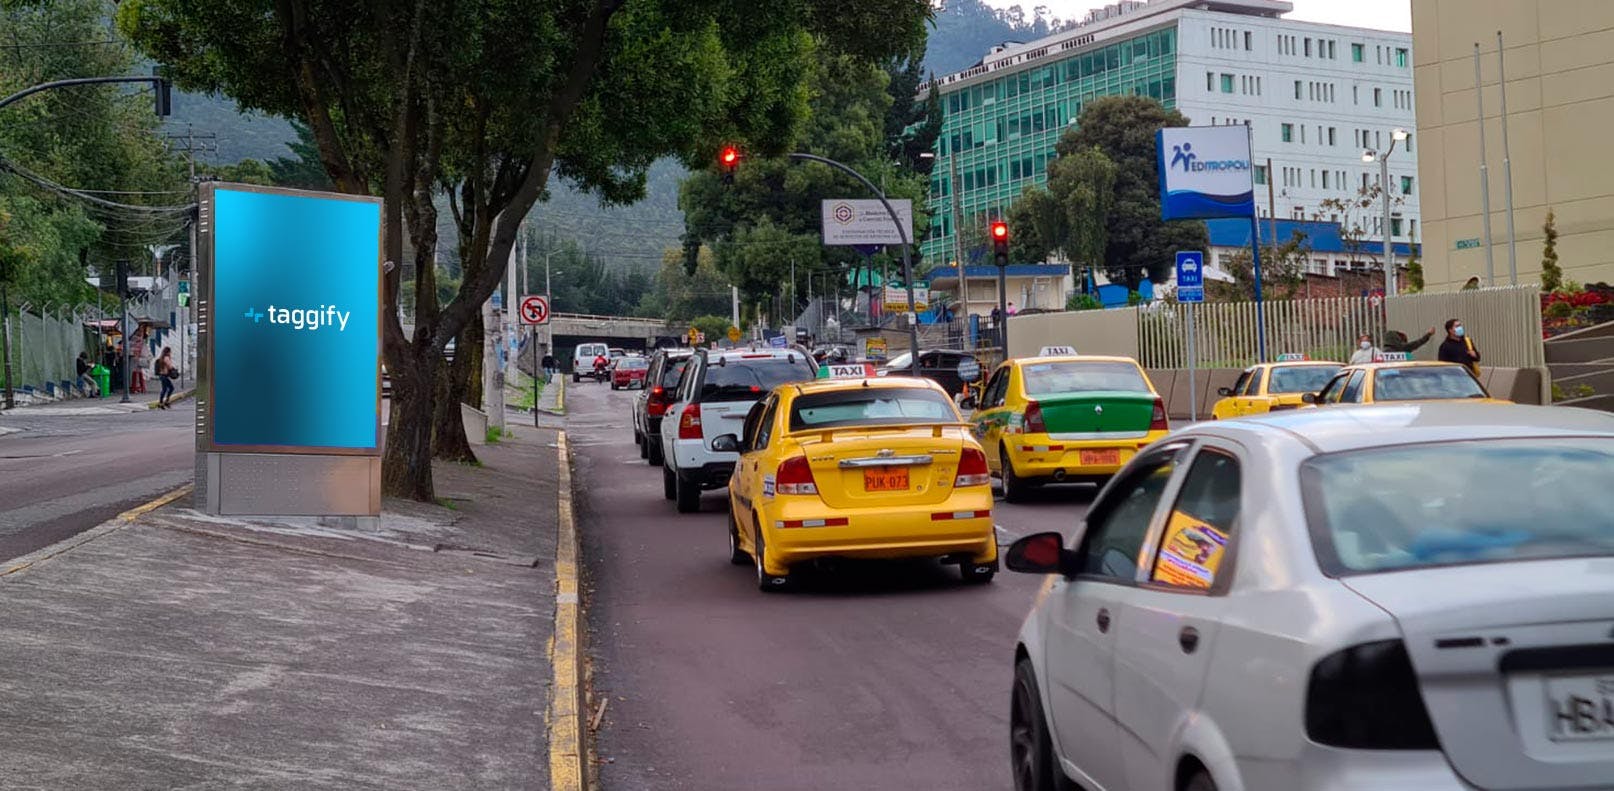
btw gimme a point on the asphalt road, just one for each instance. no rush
(881, 676)
(63, 474)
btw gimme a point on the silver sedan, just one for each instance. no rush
(1415, 596)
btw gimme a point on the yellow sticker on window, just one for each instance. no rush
(1190, 552)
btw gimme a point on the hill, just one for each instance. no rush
(966, 29)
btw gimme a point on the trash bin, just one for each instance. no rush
(103, 378)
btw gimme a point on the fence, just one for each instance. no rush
(1505, 324)
(44, 346)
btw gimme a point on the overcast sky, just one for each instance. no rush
(1379, 14)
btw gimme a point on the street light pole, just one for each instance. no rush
(1370, 155)
(5, 341)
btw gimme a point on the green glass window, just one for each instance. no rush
(1401, 58)
(1358, 53)
(1406, 186)
(1288, 133)
(1260, 174)
(1227, 83)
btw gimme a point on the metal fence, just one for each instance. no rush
(43, 345)
(1226, 337)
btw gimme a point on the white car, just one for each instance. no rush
(714, 395)
(1378, 597)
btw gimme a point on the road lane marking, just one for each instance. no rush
(115, 523)
(566, 704)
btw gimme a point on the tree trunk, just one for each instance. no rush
(406, 469)
(449, 441)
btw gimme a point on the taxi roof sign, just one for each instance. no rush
(846, 371)
(1394, 357)
(1057, 351)
(1292, 357)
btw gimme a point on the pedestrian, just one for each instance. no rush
(549, 364)
(85, 381)
(1365, 353)
(1012, 309)
(1459, 348)
(119, 382)
(997, 317)
(1397, 341)
(166, 374)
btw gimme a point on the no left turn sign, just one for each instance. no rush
(534, 310)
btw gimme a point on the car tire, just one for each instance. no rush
(669, 483)
(1201, 781)
(737, 556)
(1031, 750)
(1015, 488)
(767, 583)
(576, 378)
(976, 573)
(688, 494)
(653, 449)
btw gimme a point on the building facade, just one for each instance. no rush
(1314, 97)
(1559, 66)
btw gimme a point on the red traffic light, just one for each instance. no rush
(729, 157)
(1000, 231)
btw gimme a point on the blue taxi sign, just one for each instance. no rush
(846, 371)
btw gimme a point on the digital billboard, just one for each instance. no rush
(294, 321)
(1205, 172)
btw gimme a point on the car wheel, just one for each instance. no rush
(669, 483)
(1031, 751)
(1200, 782)
(644, 447)
(767, 583)
(688, 494)
(977, 573)
(655, 456)
(737, 556)
(1015, 488)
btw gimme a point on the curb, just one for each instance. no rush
(560, 397)
(179, 395)
(115, 523)
(568, 696)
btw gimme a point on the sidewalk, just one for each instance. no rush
(111, 405)
(185, 651)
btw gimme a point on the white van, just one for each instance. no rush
(583, 361)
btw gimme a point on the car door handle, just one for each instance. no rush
(1188, 638)
(1103, 620)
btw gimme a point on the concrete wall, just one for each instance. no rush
(1560, 95)
(1112, 332)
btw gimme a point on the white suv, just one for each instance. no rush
(717, 391)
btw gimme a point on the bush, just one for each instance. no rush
(1559, 310)
(1083, 302)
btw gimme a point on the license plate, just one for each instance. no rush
(885, 479)
(1580, 708)
(1101, 456)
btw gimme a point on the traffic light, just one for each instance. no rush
(1000, 243)
(727, 161)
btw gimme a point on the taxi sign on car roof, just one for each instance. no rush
(1394, 357)
(846, 371)
(1057, 351)
(1292, 357)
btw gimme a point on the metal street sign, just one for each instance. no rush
(1195, 294)
(693, 335)
(734, 334)
(778, 341)
(865, 221)
(1467, 244)
(1190, 269)
(534, 309)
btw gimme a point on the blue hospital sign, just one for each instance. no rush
(1205, 172)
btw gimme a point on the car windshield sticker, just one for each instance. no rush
(1190, 552)
(768, 486)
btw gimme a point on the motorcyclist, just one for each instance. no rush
(601, 362)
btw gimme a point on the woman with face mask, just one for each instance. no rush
(1365, 353)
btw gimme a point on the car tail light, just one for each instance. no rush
(1034, 423)
(795, 476)
(689, 424)
(1157, 420)
(1366, 697)
(972, 469)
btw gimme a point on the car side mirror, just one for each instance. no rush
(1310, 398)
(1039, 553)
(1226, 391)
(726, 443)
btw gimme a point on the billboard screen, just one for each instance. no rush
(294, 320)
(1205, 172)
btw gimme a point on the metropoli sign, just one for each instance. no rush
(1205, 172)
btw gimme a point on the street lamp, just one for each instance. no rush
(1396, 136)
(958, 242)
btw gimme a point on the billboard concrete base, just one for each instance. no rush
(272, 484)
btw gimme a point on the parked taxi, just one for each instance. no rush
(1377, 383)
(1065, 417)
(1271, 387)
(858, 467)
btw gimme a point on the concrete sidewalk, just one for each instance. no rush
(112, 404)
(185, 651)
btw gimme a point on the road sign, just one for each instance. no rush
(534, 309)
(693, 335)
(778, 341)
(874, 348)
(734, 334)
(849, 221)
(1190, 269)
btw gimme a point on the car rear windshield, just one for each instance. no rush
(1300, 379)
(748, 380)
(673, 373)
(1460, 502)
(871, 407)
(1414, 384)
(635, 363)
(1083, 377)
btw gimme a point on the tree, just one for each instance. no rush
(1355, 216)
(1552, 275)
(678, 297)
(302, 169)
(1070, 217)
(1414, 270)
(1283, 272)
(1137, 243)
(911, 126)
(486, 101)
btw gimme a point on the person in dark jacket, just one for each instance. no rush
(1395, 341)
(85, 381)
(1459, 348)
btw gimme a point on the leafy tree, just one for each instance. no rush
(1136, 241)
(486, 101)
(1552, 275)
(1283, 272)
(302, 169)
(678, 297)
(714, 326)
(911, 126)
(1414, 270)
(967, 29)
(1355, 216)
(1069, 218)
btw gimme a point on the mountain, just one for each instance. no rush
(236, 135)
(964, 30)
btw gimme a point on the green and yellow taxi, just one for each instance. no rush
(1271, 387)
(1065, 417)
(857, 466)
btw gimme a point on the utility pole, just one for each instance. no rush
(958, 241)
(1484, 172)
(1507, 164)
(5, 339)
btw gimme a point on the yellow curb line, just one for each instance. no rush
(178, 396)
(560, 398)
(566, 706)
(115, 523)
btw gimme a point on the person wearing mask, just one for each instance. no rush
(166, 374)
(1459, 348)
(1365, 353)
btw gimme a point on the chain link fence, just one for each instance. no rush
(44, 346)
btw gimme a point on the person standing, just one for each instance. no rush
(85, 382)
(1459, 348)
(1365, 353)
(166, 374)
(1395, 341)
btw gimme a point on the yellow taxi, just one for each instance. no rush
(1396, 382)
(1273, 386)
(854, 466)
(1065, 417)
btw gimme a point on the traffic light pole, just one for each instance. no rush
(907, 264)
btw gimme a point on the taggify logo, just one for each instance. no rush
(309, 319)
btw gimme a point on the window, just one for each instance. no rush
(1356, 53)
(1244, 380)
(1401, 57)
(1297, 89)
(1260, 174)
(1331, 392)
(1351, 393)
(1395, 226)
(1196, 535)
(1308, 47)
(1408, 141)
(1331, 132)
(1288, 133)
(1325, 179)
(1378, 97)
(1314, 178)
(1406, 185)
(1333, 54)
(1247, 41)
(765, 425)
(1250, 386)
(1356, 94)
(1227, 83)
(1210, 81)
(1114, 538)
